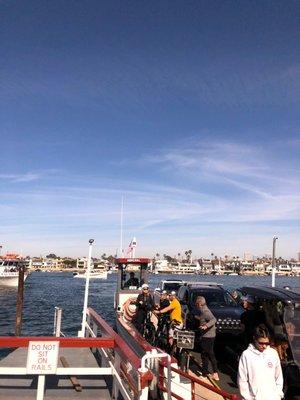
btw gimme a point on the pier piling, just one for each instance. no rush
(20, 299)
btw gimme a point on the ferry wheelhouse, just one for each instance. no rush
(127, 291)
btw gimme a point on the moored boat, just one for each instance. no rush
(93, 275)
(9, 272)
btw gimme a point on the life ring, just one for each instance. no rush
(129, 309)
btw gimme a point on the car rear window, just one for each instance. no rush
(169, 286)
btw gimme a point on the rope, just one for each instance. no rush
(129, 309)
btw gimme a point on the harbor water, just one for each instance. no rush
(44, 291)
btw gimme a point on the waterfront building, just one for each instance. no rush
(81, 263)
(248, 256)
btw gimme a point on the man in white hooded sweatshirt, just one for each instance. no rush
(260, 374)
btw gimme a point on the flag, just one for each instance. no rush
(131, 246)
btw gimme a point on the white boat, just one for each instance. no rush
(9, 272)
(162, 267)
(186, 268)
(94, 274)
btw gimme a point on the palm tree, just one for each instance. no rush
(186, 254)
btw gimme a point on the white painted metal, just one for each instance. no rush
(57, 322)
(60, 371)
(40, 388)
(86, 292)
(273, 261)
(154, 355)
(13, 371)
(121, 233)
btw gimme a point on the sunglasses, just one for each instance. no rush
(263, 343)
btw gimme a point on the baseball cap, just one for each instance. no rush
(164, 292)
(145, 286)
(249, 298)
(173, 293)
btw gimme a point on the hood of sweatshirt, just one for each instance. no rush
(254, 350)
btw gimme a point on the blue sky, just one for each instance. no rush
(188, 109)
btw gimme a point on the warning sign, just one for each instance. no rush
(42, 357)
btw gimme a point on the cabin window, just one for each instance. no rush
(132, 280)
(132, 276)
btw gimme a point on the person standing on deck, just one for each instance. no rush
(250, 319)
(163, 303)
(259, 372)
(164, 300)
(207, 329)
(144, 303)
(175, 315)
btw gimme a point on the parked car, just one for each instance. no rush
(282, 314)
(226, 310)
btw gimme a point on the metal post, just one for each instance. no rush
(273, 261)
(88, 322)
(54, 320)
(121, 233)
(41, 387)
(155, 355)
(95, 333)
(86, 292)
(115, 388)
(57, 321)
(20, 299)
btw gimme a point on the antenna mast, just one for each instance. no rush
(121, 233)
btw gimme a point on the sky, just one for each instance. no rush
(189, 110)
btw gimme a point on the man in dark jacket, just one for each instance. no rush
(164, 300)
(144, 303)
(250, 319)
(132, 281)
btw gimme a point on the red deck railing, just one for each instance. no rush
(125, 352)
(14, 342)
(109, 340)
(194, 380)
(120, 345)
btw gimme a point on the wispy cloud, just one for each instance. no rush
(228, 160)
(212, 186)
(27, 177)
(30, 176)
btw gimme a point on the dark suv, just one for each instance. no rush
(281, 308)
(219, 301)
